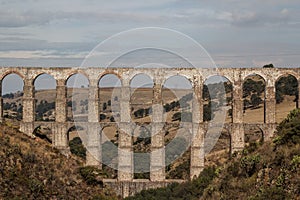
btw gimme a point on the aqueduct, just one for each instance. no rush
(198, 127)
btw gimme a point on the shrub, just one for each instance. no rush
(77, 148)
(92, 175)
(249, 164)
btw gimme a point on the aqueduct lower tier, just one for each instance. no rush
(197, 127)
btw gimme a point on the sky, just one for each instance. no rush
(235, 33)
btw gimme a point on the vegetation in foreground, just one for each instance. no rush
(31, 169)
(267, 171)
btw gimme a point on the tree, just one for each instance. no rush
(269, 66)
(104, 106)
(255, 100)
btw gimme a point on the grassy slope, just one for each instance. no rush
(31, 169)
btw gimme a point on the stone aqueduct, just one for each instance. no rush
(196, 76)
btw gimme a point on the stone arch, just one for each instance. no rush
(254, 133)
(44, 109)
(8, 72)
(141, 96)
(254, 72)
(286, 96)
(108, 136)
(254, 98)
(49, 73)
(77, 135)
(177, 95)
(79, 72)
(221, 150)
(286, 73)
(107, 72)
(77, 97)
(141, 145)
(177, 152)
(109, 91)
(217, 93)
(12, 105)
(138, 72)
(44, 131)
(177, 74)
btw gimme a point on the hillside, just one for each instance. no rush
(261, 171)
(32, 169)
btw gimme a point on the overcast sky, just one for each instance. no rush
(236, 33)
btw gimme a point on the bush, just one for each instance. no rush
(77, 148)
(92, 175)
(249, 164)
(288, 130)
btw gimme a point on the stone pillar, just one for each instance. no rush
(93, 130)
(93, 145)
(237, 134)
(61, 102)
(270, 110)
(157, 157)
(27, 124)
(60, 139)
(197, 142)
(125, 164)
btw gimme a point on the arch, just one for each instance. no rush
(182, 78)
(109, 135)
(177, 95)
(43, 132)
(107, 72)
(45, 97)
(81, 75)
(141, 97)
(8, 72)
(177, 152)
(77, 140)
(109, 80)
(12, 96)
(253, 134)
(37, 76)
(221, 151)
(77, 97)
(143, 78)
(254, 96)
(109, 90)
(254, 72)
(141, 145)
(286, 95)
(217, 94)
(286, 73)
